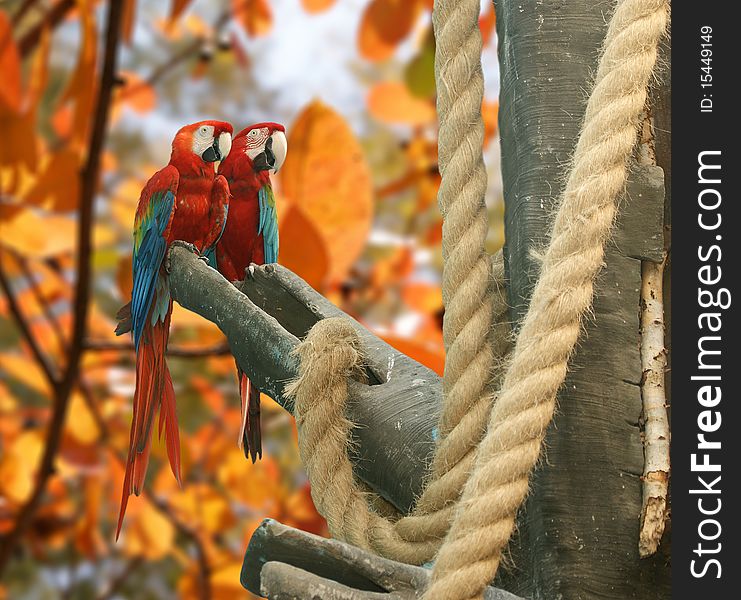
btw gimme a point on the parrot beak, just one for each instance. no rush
(219, 149)
(279, 149)
(212, 153)
(274, 154)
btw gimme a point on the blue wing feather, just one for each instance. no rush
(268, 224)
(150, 247)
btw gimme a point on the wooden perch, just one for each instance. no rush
(263, 321)
(284, 563)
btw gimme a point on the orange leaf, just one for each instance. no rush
(178, 8)
(88, 538)
(302, 248)
(316, 6)
(10, 66)
(254, 15)
(490, 114)
(384, 25)
(81, 88)
(423, 297)
(128, 20)
(326, 174)
(135, 93)
(487, 24)
(125, 277)
(392, 102)
(21, 147)
(64, 166)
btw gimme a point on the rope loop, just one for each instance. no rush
(487, 449)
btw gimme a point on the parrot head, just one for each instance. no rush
(265, 144)
(206, 141)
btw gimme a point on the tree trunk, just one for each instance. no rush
(578, 531)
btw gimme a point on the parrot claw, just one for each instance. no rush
(186, 245)
(204, 258)
(182, 244)
(250, 271)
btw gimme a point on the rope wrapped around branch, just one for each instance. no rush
(468, 531)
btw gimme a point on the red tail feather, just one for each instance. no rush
(250, 435)
(154, 391)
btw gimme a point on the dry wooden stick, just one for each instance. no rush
(656, 466)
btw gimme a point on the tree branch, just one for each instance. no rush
(89, 182)
(282, 563)
(263, 321)
(51, 19)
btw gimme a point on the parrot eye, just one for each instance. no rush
(204, 129)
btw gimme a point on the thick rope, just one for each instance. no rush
(483, 519)
(329, 354)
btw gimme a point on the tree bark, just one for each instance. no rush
(263, 321)
(578, 531)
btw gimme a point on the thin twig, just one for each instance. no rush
(51, 19)
(221, 349)
(121, 578)
(22, 10)
(50, 371)
(62, 391)
(43, 303)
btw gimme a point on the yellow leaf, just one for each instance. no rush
(10, 66)
(392, 102)
(37, 235)
(326, 174)
(81, 424)
(316, 6)
(147, 532)
(202, 505)
(225, 581)
(302, 248)
(384, 25)
(18, 466)
(254, 15)
(24, 371)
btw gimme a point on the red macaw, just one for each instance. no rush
(185, 201)
(251, 236)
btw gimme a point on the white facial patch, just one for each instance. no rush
(203, 137)
(256, 139)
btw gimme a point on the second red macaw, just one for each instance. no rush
(251, 236)
(184, 201)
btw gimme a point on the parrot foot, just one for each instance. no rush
(250, 271)
(187, 245)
